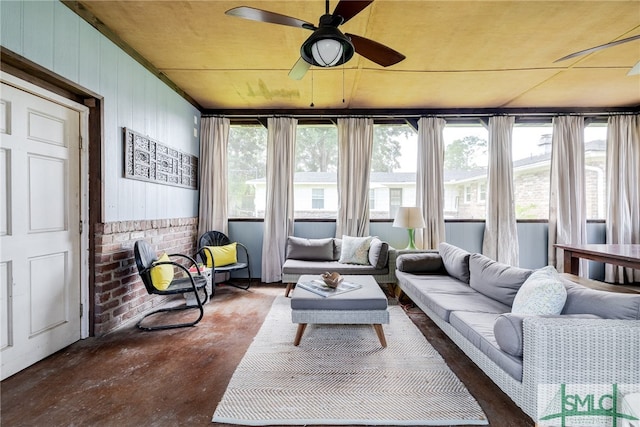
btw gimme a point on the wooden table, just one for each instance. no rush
(624, 255)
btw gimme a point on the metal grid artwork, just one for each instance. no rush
(146, 159)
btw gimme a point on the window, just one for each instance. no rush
(465, 170)
(317, 198)
(595, 164)
(315, 183)
(482, 193)
(531, 145)
(395, 201)
(468, 193)
(393, 169)
(247, 160)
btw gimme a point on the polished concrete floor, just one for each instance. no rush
(176, 377)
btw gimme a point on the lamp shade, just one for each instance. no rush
(409, 217)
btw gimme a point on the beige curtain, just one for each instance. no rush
(500, 234)
(355, 145)
(567, 195)
(623, 190)
(214, 138)
(278, 216)
(430, 181)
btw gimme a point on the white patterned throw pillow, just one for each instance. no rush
(355, 250)
(541, 294)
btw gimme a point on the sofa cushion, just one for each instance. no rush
(310, 249)
(444, 294)
(378, 253)
(428, 262)
(478, 329)
(509, 332)
(608, 305)
(541, 294)
(355, 250)
(496, 280)
(455, 260)
(297, 266)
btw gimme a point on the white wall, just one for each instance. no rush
(51, 35)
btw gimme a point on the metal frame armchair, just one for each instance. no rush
(146, 259)
(217, 238)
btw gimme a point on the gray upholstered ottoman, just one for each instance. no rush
(367, 305)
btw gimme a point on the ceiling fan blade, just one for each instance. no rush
(299, 69)
(350, 8)
(635, 70)
(269, 17)
(596, 48)
(374, 51)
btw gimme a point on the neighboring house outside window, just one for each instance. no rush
(395, 201)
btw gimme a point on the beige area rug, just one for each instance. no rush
(341, 375)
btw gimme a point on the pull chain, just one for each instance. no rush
(312, 89)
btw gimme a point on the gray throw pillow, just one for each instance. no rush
(456, 261)
(310, 249)
(378, 253)
(337, 248)
(496, 280)
(430, 262)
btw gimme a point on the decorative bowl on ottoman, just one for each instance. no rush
(332, 279)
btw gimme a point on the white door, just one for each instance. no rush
(39, 228)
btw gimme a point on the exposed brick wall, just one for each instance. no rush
(119, 294)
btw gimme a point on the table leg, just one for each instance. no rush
(380, 333)
(286, 292)
(571, 263)
(299, 332)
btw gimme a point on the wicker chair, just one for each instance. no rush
(146, 259)
(217, 238)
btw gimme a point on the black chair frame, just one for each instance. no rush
(217, 238)
(146, 259)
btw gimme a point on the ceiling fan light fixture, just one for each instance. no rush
(327, 52)
(327, 47)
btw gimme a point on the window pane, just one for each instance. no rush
(531, 170)
(247, 160)
(465, 171)
(317, 198)
(393, 170)
(316, 175)
(595, 147)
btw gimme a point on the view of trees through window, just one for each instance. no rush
(393, 170)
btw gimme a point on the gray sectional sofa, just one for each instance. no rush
(316, 256)
(595, 338)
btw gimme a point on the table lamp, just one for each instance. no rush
(409, 218)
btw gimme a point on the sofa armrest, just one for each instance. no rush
(578, 351)
(419, 262)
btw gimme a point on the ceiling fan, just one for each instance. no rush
(327, 46)
(633, 71)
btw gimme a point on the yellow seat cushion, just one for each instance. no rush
(222, 255)
(162, 275)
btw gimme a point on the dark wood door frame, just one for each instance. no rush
(31, 72)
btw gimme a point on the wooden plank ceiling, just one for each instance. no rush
(460, 54)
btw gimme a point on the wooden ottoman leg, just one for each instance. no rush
(380, 333)
(299, 332)
(286, 292)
